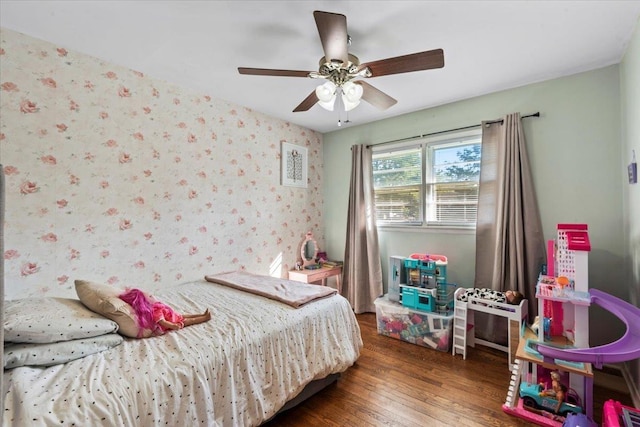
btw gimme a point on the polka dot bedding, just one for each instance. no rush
(487, 297)
(238, 369)
(483, 293)
(47, 320)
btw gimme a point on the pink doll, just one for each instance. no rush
(157, 316)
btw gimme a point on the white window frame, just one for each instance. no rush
(428, 145)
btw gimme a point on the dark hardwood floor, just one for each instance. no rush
(395, 383)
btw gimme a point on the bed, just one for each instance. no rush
(468, 301)
(239, 369)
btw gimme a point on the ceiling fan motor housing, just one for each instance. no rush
(337, 71)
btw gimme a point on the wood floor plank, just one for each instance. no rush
(398, 384)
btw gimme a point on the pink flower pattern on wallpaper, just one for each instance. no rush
(27, 106)
(119, 178)
(9, 87)
(28, 187)
(48, 81)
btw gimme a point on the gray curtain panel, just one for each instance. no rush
(510, 247)
(362, 271)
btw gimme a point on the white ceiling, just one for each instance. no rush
(488, 45)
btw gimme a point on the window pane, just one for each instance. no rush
(453, 202)
(457, 163)
(397, 168)
(398, 205)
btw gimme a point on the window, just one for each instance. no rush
(432, 182)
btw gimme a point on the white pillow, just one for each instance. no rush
(45, 320)
(48, 354)
(103, 299)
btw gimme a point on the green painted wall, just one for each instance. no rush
(574, 148)
(630, 101)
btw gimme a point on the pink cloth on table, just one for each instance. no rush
(163, 311)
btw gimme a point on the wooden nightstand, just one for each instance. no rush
(318, 276)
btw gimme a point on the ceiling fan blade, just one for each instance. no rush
(308, 102)
(332, 28)
(375, 97)
(270, 72)
(407, 63)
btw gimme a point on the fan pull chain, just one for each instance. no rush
(339, 105)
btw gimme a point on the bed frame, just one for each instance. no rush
(464, 323)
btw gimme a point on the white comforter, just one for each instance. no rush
(236, 370)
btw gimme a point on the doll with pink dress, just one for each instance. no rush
(157, 316)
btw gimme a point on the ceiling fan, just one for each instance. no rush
(340, 68)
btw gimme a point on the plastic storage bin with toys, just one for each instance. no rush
(414, 326)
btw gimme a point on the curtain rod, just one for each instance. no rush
(536, 114)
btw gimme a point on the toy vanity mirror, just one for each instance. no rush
(308, 250)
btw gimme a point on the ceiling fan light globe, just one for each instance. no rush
(326, 94)
(352, 92)
(348, 105)
(351, 95)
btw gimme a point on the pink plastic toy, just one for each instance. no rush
(613, 412)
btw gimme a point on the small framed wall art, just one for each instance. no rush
(293, 160)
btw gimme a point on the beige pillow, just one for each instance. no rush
(103, 299)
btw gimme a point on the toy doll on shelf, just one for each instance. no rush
(557, 390)
(513, 297)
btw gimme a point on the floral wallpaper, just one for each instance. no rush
(117, 177)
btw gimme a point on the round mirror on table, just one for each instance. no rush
(308, 250)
